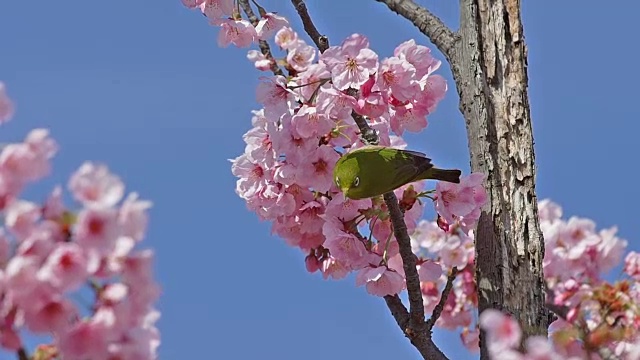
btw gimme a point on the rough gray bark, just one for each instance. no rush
(489, 64)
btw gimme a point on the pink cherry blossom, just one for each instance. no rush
(540, 348)
(259, 60)
(632, 265)
(286, 38)
(333, 268)
(192, 3)
(86, 339)
(300, 55)
(238, 32)
(259, 146)
(21, 217)
(308, 82)
(456, 252)
(269, 24)
(335, 103)
(51, 316)
(133, 218)
(460, 199)
(503, 332)
(380, 281)
(548, 211)
(432, 90)
(97, 229)
(471, 339)
(428, 236)
(419, 56)
(254, 177)
(346, 209)
(94, 185)
(344, 246)
(6, 105)
(275, 96)
(65, 268)
(398, 76)
(429, 271)
(308, 122)
(407, 117)
(215, 9)
(318, 173)
(351, 63)
(28, 161)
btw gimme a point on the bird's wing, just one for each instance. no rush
(407, 165)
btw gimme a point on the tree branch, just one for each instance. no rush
(435, 315)
(410, 322)
(321, 41)
(22, 354)
(429, 24)
(264, 45)
(398, 311)
(425, 345)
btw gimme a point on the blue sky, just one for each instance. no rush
(143, 87)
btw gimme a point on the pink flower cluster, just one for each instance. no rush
(285, 176)
(599, 314)
(286, 172)
(50, 255)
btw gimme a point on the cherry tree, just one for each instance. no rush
(490, 236)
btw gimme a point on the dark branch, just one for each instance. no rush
(425, 345)
(429, 24)
(22, 354)
(368, 135)
(264, 46)
(416, 306)
(443, 299)
(321, 41)
(398, 311)
(416, 327)
(411, 323)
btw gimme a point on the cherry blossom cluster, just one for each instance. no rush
(74, 275)
(306, 123)
(595, 314)
(286, 172)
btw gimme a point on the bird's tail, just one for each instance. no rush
(452, 176)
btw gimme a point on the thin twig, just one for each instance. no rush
(435, 315)
(368, 135)
(429, 24)
(321, 41)
(264, 45)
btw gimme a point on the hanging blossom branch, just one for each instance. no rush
(437, 311)
(265, 49)
(413, 325)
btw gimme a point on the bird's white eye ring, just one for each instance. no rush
(356, 181)
(338, 181)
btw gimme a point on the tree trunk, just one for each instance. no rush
(488, 58)
(489, 66)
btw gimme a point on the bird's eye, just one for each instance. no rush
(356, 181)
(338, 181)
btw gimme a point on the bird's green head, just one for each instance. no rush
(346, 176)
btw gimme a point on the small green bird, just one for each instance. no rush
(371, 171)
